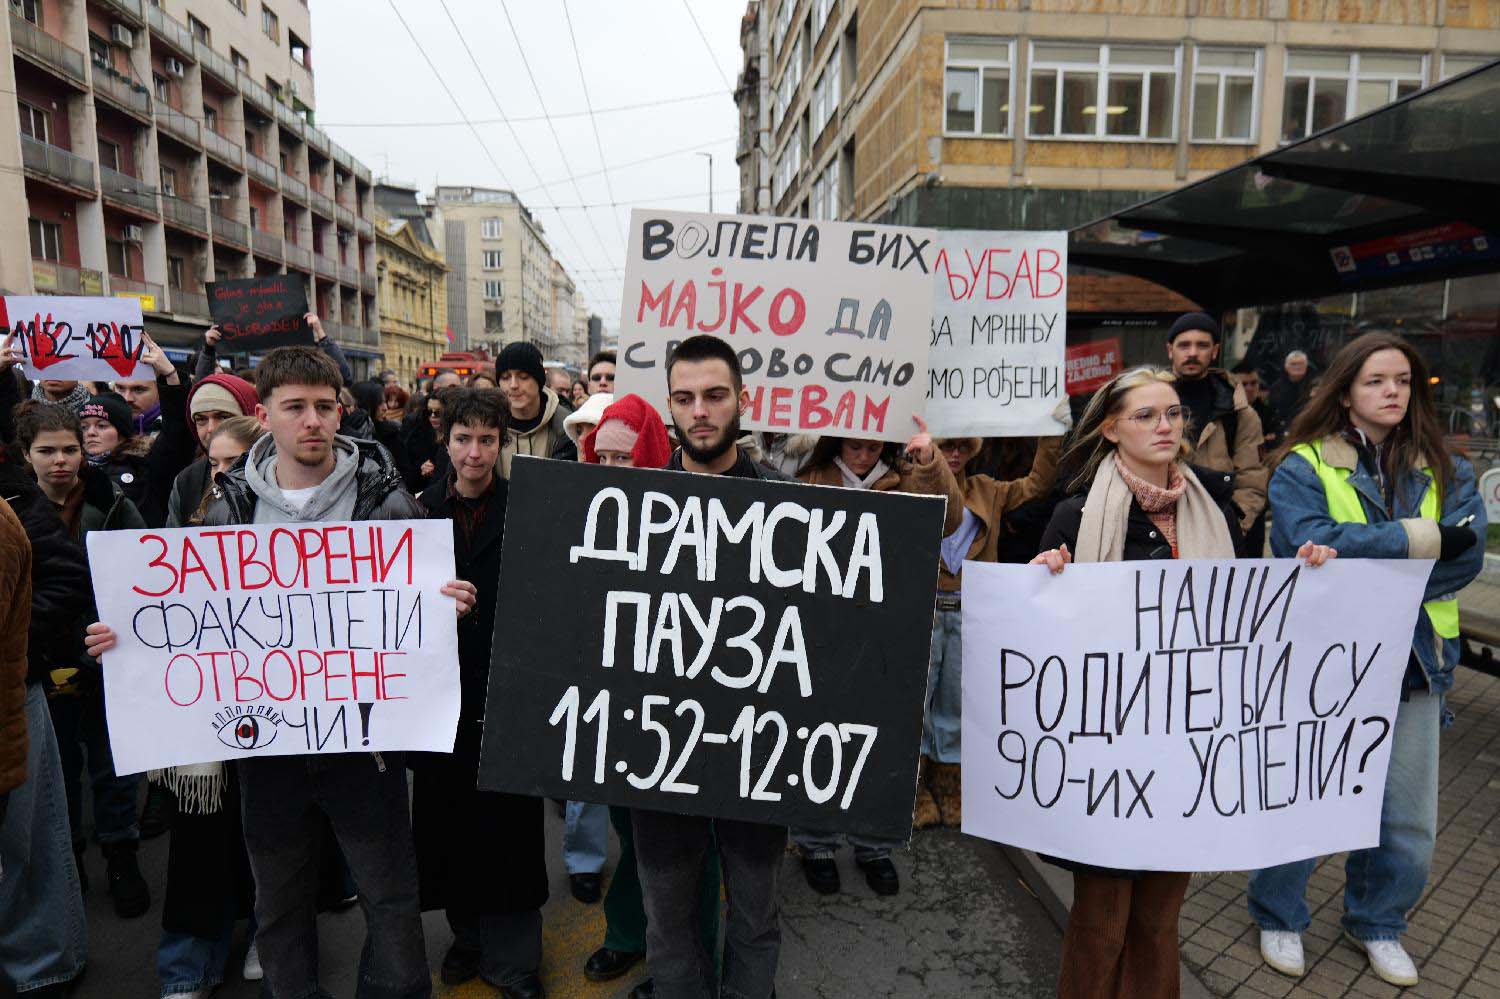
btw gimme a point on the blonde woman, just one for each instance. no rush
(1132, 495)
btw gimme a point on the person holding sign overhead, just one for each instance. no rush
(877, 465)
(303, 472)
(1365, 468)
(1134, 496)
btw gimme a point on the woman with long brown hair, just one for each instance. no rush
(1133, 495)
(1365, 469)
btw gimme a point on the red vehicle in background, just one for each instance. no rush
(462, 362)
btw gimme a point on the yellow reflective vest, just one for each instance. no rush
(1344, 506)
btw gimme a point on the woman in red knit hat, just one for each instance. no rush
(629, 434)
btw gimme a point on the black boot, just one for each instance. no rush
(156, 817)
(131, 895)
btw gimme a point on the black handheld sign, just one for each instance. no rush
(725, 647)
(260, 313)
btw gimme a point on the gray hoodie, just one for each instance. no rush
(333, 500)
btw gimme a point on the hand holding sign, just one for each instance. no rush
(72, 337)
(920, 447)
(260, 313)
(9, 355)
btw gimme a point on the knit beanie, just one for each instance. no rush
(523, 357)
(615, 435)
(220, 393)
(1201, 322)
(113, 408)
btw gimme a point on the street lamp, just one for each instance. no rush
(710, 181)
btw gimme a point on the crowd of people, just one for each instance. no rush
(1181, 461)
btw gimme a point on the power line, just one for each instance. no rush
(523, 119)
(710, 49)
(593, 121)
(646, 159)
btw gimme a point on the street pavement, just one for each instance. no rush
(963, 926)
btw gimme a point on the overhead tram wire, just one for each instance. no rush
(593, 121)
(556, 140)
(710, 49)
(521, 119)
(520, 146)
(646, 159)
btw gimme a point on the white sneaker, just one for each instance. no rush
(1389, 960)
(251, 971)
(1282, 950)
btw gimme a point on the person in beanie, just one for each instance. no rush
(1223, 429)
(210, 402)
(536, 413)
(481, 855)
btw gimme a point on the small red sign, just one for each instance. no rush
(1090, 365)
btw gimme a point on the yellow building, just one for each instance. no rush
(412, 277)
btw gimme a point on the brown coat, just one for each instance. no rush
(15, 622)
(932, 479)
(1212, 450)
(990, 499)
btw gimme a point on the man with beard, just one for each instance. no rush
(707, 395)
(1224, 430)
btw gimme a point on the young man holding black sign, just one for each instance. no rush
(302, 472)
(707, 395)
(481, 855)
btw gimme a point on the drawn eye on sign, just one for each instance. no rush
(247, 732)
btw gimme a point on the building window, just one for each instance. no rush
(493, 289)
(490, 228)
(820, 11)
(270, 25)
(109, 155)
(46, 239)
(1224, 94)
(30, 10)
(161, 88)
(211, 118)
(825, 96)
(238, 5)
(176, 267)
(976, 87)
(1325, 88)
(118, 260)
(98, 51)
(35, 122)
(492, 260)
(1456, 64)
(169, 181)
(240, 62)
(199, 29)
(1103, 91)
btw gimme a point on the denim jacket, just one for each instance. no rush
(1299, 513)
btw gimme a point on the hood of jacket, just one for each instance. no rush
(376, 479)
(651, 450)
(260, 478)
(550, 406)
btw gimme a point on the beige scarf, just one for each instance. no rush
(1201, 529)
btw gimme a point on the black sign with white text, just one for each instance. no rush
(724, 647)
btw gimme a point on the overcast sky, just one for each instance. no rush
(379, 98)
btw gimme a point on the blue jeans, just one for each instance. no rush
(941, 738)
(186, 963)
(1384, 882)
(585, 838)
(818, 845)
(82, 732)
(42, 938)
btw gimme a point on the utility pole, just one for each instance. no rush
(710, 181)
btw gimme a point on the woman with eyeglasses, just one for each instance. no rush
(987, 501)
(1132, 495)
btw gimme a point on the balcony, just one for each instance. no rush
(131, 192)
(263, 171)
(266, 244)
(344, 216)
(367, 282)
(149, 293)
(58, 165)
(47, 52)
(322, 204)
(364, 228)
(123, 93)
(326, 266)
(254, 92)
(299, 257)
(316, 138)
(221, 149)
(133, 11)
(290, 120)
(53, 278)
(293, 188)
(342, 157)
(227, 230)
(348, 275)
(178, 125)
(215, 65)
(170, 30)
(361, 172)
(190, 303)
(184, 214)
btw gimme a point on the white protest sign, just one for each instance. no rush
(999, 329)
(76, 338)
(277, 640)
(829, 319)
(1183, 715)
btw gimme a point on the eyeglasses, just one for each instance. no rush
(601, 377)
(1148, 419)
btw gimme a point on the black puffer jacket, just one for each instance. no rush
(380, 492)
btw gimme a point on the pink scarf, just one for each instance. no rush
(1159, 504)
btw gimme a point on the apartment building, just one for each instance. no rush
(413, 282)
(163, 145)
(501, 271)
(1044, 114)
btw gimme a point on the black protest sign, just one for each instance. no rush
(260, 313)
(725, 647)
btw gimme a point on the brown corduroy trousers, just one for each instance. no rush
(1121, 941)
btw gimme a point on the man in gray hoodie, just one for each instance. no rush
(302, 471)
